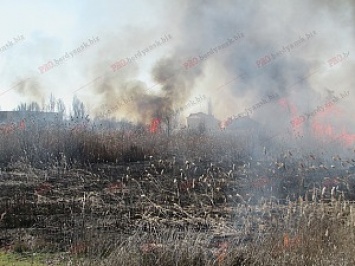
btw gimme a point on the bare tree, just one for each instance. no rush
(52, 103)
(78, 110)
(60, 106)
(33, 106)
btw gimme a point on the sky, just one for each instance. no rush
(50, 29)
(234, 53)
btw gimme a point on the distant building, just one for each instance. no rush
(201, 121)
(24, 119)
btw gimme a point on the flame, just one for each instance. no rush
(283, 102)
(154, 125)
(348, 139)
(291, 242)
(22, 125)
(225, 123)
(319, 123)
(297, 129)
(322, 130)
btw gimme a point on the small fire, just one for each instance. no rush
(348, 139)
(283, 102)
(225, 123)
(154, 125)
(22, 125)
(322, 130)
(319, 121)
(297, 129)
(290, 106)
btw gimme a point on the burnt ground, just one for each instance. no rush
(71, 210)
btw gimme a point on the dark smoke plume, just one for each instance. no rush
(299, 37)
(31, 89)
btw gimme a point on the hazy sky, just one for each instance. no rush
(49, 30)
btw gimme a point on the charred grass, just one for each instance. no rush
(122, 198)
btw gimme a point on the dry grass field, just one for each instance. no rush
(86, 197)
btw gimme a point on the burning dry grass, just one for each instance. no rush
(179, 232)
(323, 236)
(123, 198)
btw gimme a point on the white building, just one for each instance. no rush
(201, 121)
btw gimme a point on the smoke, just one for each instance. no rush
(284, 51)
(31, 89)
(127, 96)
(132, 98)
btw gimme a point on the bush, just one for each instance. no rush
(20, 247)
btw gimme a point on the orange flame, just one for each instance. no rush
(325, 129)
(22, 125)
(225, 123)
(154, 125)
(348, 139)
(321, 127)
(297, 128)
(322, 130)
(291, 242)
